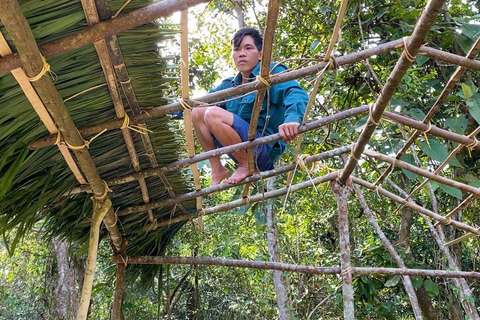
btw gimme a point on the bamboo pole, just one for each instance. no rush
(219, 95)
(415, 206)
(224, 186)
(162, 260)
(269, 37)
(241, 202)
(433, 130)
(117, 313)
(422, 172)
(438, 103)
(217, 152)
(424, 24)
(99, 212)
(103, 30)
(341, 193)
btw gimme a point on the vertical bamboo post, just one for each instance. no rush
(117, 313)
(187, 117)
(99, 212)
(341, 193)
(272, 244)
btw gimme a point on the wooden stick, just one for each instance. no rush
(422, 172)
(219, 95)
(415, 206)
(217, 152)
(103, 30)
(424, 24)
(440, 100)
(341, 193)
(225, 186)
(292, 267)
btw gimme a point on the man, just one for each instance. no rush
(282, 112)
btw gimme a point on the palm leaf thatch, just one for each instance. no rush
(34, 184)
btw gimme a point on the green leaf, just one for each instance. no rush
(437, 151)
(467, 91)
(474, 106)
(451, 190)
(417, 114)
(408, 158)
(392, 282)
(431, 287)
(457, 124)
(417, 282)
(421, 60)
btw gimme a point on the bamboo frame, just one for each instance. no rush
(438, 103)
(163, 260)
(424, 24)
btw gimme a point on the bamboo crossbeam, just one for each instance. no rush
(292, 267)
(225, 186)
(423, 172)
(434, 130)
(243, 201)
(415, 206)
(440, 100)
(465, 62)
(422, 27)
(103, 30)
(218, 152)
(220, 95)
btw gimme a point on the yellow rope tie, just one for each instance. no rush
(370, 117)
(59, 137)
(447, 222)
(202, 212)
(113, 225)
(184, 104)
(126, 125)
(168, 189)
(45, 69)
(86, 143)
(126, 82)
(407, 54)
(247, 199)
(471, 146)
(121, 8)
(302, 164)
(352, 151)
(346, 271)
(103, 197)
(265, 82)
(332, 63)
(125, 261)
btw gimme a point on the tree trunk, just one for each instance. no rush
(238, 7)
(272, 243)
(65, 294)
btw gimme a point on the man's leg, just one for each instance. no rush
(204, 136)
(219, 122)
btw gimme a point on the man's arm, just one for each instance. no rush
(288, 131)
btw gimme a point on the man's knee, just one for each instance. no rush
(215, 116)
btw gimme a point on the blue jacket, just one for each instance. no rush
(288, 101)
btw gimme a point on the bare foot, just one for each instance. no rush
(218, 176)
(239, 174)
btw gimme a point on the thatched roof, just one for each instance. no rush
(35, 183)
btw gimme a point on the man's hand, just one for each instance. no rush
(288, 131)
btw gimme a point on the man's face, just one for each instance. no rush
(246, 56)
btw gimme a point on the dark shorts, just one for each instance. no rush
(262, 153)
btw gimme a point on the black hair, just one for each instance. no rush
(257, 37)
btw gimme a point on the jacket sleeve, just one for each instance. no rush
(222, 86)
(292, 96)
